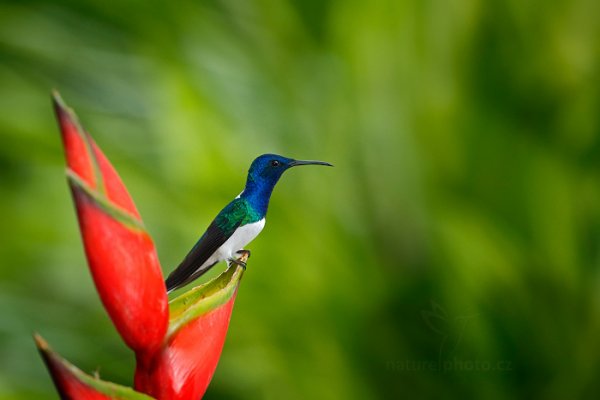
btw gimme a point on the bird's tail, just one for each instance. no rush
(179, 278)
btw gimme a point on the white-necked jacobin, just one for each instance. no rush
(238, 223)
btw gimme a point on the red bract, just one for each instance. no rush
(73, 384)
(120, 253)
(186, 362)
(177, 346)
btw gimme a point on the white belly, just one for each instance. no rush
(240, 238)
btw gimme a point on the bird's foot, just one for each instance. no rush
(241, 260)
(237, 261)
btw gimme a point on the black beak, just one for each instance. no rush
(309, 162)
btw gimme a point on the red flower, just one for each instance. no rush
(177, 346)
(184, 366)
(73, 384)
(120, 253)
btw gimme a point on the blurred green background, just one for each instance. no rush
(453, 252)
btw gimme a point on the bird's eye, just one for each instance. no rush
(275, 163)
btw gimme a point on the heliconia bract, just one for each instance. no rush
(72, 384)
(177, 345)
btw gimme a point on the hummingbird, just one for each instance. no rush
(238, 223)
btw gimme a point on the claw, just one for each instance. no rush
(237, 262)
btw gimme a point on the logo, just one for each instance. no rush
(451, 330)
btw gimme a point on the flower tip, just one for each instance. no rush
(40, 342)
(58, 102)
(45, 350)
(64, 113)
(62, 110)
(48, 355)
(244, 257)
(55, 94)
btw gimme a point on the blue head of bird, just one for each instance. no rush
(264, 173)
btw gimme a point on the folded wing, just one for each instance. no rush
(195, 263)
